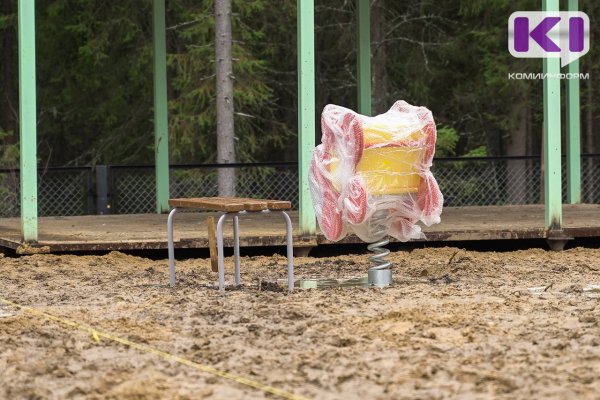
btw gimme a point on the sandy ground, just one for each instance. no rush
(457, 324)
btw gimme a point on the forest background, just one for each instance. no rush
(94, 63)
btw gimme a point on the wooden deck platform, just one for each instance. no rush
(148, 231)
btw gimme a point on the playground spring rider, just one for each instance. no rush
(370, 175)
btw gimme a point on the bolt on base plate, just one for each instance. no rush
(380, 277)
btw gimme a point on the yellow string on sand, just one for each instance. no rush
(96, 335)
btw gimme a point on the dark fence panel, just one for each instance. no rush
(590, 179)
(507, 180)
(130, 189)
(61, 191)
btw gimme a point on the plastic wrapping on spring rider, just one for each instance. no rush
(370, 175)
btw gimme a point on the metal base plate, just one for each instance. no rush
(328, 283)
(380, 277)
(374, 279)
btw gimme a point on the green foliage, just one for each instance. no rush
(480, 151)
(95, 91)
(95, 81)
(9, 152)
(95, 76)
(447, 138)
(7, 20)
(452, 57)
(192, 111)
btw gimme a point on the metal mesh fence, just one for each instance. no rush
(61, 191)
(9, 193)
(590, 179)
(65, 192)
(131, 190)
(504, 181)
(488, 182)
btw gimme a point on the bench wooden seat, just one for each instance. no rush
(230, 204)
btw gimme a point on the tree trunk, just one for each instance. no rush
(378, 70)
(589, 142)
(8, 77)
(589, 131)
(224, 73)
(517, 146)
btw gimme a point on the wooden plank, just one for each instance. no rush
(208, 203)
(279, 205)
(9, 244)
(148, 231)
(212, 244)
(253, 204)
(230, 204)
(262, 204)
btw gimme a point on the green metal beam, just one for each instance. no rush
(364, 56)
(306, 109)
(27, 120)
(552, 131)
(161, 118)
(573, 129)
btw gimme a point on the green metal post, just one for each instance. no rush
(573, 129)
(552, 131)
(161, 119)
(27, 120)
(306, 109)
(364, 56)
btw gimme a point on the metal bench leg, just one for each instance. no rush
(236, 250)
(220, 256)
(290, 250)
(171, 247)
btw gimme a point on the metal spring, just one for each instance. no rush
(380, 254)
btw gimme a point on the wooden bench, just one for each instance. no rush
(230, 206)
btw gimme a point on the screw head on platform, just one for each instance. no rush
(380, 277)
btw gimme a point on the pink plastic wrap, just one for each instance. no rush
(370, 175)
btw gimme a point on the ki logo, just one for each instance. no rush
(541, 34)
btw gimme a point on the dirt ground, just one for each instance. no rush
(456, 323)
